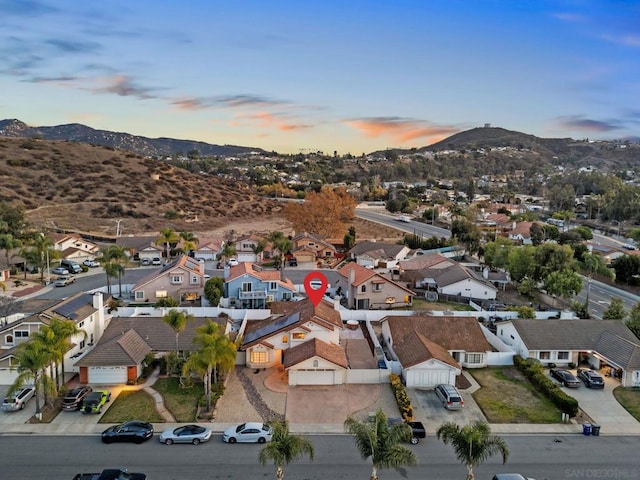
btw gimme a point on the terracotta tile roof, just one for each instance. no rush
(451, 333)
(362, 275)
(415, 349)
(523, 229)
(315, 348)
(323, 312)
(126, 349)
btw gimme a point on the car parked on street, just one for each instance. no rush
(565, 377)
(449, 396)
(250, 432)
(91, 263)
(19, 399)
(74, 397)
(145, 262)
(194, 434)
(156, 261)
(64, 280)
(591, 378)
(134, 431)
(95, 401)
(60, 271)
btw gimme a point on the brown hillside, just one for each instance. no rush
(86, 188)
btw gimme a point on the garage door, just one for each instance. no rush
(314, 377)
(246, 257)
(8, 376)
(427, 377)
(107, 375)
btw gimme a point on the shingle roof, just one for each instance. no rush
(415, 348)
(247, 268)
(390, 249)
(315, 348)
(126, 349)
(451, 333)
(421, 262)
(362, 274)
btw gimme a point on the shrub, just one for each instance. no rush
(402, 398)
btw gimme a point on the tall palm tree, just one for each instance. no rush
(177, 319)
(378, 440)
(215, 351)
(283, 244)
(473, 443)
(39, 252)
(32, 357)
(228, 251)
(284, 447)
(166, 238)
(63, 331)
(258, 248)
(112, 258)
(189, 242)
(8, 243)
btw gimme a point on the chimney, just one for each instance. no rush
(336, 302)
(352, 276)
(485, 273)
(225, 275)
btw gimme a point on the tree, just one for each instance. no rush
(283, 244)
(563, 283)
(326, 212)
(521, 262)
(177, 320)
(214, 290)
(473, 443)
(189, 242)
(40, 252)
(594, 263)
(467, 233)
(168, 236)
(551, 257)
(32, 357)
(228, 251)
(615, 310)
(57, 335)
(284, 447)
(8, 243)
(627, 268)
(496, 254)
(633, 323)
(378, 440)
(215, 351)
(112, 258)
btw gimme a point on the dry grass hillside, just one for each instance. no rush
(87, 188)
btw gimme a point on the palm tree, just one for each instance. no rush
(215, 352)
(258, 248)
(284, 447)
(32, 357)
(177, 320)
(112, 259)
(377, 439)
(62, 332)
(228, 250)
(189, 242)
(39, 252)
(283, 245)
(166, 238)
(8, 243)
(473, 443)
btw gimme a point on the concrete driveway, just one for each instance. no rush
(429, 410)
(19, 416)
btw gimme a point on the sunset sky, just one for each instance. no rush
(346, 76)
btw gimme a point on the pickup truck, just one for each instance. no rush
(111, 474)
(417, 429)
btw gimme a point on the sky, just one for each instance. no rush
(348, 76)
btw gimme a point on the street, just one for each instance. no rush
(336, 457)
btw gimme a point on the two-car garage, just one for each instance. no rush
(108, 375)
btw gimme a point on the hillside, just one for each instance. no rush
(82, 187)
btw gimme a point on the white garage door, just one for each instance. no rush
(8, 376)
(107, 375)
(314, 377)
(246, 257)
(427, 377)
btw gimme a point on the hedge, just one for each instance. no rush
(402, 398)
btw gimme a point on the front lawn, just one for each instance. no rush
(507, 396)
(629, 398)
(180, 401)
(132, 405)
(421, 304)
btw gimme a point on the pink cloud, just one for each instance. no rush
(400, 130)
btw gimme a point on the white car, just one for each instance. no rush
(232, 262)
(91, 263)
(194, 434)
(250, 432)
(19, 399)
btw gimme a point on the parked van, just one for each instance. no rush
(73, 267)
(449, 396)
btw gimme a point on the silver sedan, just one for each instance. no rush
(194, 434)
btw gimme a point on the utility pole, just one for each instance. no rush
(118, 227)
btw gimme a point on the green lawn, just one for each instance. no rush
(180, 401)
(507, 396)
(629, 398)
(132, 405)
(421, 304)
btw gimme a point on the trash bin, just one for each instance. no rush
(586, 429)
(595, 430)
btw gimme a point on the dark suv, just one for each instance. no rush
(591, 379)
(74, 397)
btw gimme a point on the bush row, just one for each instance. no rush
(402, 398)
(533, 370)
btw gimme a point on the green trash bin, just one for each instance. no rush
(595, 430)
(586, 429)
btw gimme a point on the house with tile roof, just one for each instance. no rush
(86, 310)
(275, 341)
(245, 249)
(598, 343)
(118, 357)
(209, 248)
(365, 289)
(182, 279)
(378, 254)
(305, 242)
(521, 233)
(248, 286)
(434, 349)
(74, 247)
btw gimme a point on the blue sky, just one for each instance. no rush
(347, 76)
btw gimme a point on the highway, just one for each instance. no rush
(417, 228)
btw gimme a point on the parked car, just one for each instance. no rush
(250, 432)
(194, 434)
(510, 476)
(591, 378)
(134, 431)
(64, 280)
(95, 401)
(60, 271)
(111, 474)
(72, 266)
(19, 399)
(232, 262)
(449, 396)
(145, 262)
(156, 261)
(418, 430)
(565, 377)
(73, 399)
(91, 263)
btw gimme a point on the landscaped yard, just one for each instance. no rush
(132, 405)
(421, 304)
(629, 398)
(180, 401)
(507, 396)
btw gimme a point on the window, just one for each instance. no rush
(21, 333)
(363, 288)
(315, 364)
(273, 286)
(91, 339)
(176, 278)
(195, 280)
(8, 339)
(544, 355)
(298, 335)
(139, 295)
(161, 294)
(377, 287)
(82, 344)
(81, 324)
(258, 357)
(285, 339)
(287, 296)
(247, 287)
(473, 358)
(563, 355)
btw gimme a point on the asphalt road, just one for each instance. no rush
(540, 457)
(417, 228)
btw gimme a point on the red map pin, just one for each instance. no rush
(315, 284)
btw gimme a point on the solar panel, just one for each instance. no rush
(68, 310)
(272, 327)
